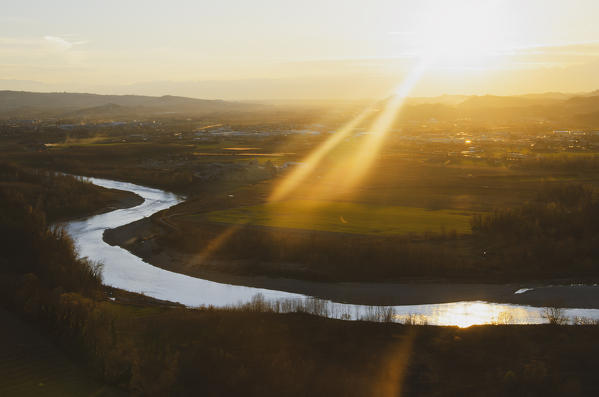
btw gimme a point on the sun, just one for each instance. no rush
(462, 34)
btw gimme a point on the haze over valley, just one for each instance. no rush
(318, 198)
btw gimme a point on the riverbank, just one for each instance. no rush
(138, 238)
(120, 199)
(60, 196)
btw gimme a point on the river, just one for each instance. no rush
(122, 269)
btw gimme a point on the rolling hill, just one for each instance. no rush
(71, 104)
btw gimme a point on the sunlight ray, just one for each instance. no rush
(309, 164)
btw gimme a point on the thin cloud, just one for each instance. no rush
(62, 43)
(402, 33)
(589, 48)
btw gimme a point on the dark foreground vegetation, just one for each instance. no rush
(33, 365)
(156, 349)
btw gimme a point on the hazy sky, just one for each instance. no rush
(284, 49)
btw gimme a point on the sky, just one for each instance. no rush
(325, 49)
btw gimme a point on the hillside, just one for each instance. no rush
(61, 103)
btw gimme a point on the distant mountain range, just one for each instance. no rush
(502, 100)
(82, 105)
(574, 109)
(547, 106)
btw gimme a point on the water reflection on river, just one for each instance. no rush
(129, 272)
(465, 314)
(461, 314)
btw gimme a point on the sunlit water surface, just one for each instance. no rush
(126, 271)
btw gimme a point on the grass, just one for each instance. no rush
(346, 217)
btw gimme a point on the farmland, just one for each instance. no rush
(346, 217)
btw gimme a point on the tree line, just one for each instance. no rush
(56, 195)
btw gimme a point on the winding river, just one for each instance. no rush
(126, 271)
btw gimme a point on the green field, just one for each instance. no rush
(346, 217)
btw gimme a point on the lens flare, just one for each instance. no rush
(213, 245)
(309, 164)
(381, 126)
(351, 168)
(394, 365)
